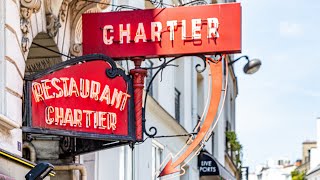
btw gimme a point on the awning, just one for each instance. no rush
(210, 168)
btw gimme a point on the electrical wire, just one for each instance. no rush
(51, 50)
(195, 2)
(158, 4)
(178, 135)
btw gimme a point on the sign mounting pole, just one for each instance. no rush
(138, 75)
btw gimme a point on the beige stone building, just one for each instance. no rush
(307, 146)
(37, 34)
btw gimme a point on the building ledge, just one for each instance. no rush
(7, 123)
(19, 160)
(230, 164)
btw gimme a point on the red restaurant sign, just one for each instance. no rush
(164, 32)
(83, 100)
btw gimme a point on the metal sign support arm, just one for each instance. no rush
(138, 75)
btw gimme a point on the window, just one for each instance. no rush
(177, 94)
(228, 128)
(212, 143)
(157, 149)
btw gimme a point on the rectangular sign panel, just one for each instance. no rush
(82, 100)
(164, 32)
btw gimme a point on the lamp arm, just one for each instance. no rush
(245, 56)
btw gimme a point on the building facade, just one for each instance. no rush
(307, 146)
(37, 34)
(313, 173)
(274, 169)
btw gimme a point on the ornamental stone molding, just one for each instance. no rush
(33, 5)
(53, 23)
(63, 10)
(26, 9)
(80, 7)
(103, 4)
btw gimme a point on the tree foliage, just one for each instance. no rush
(296, 175)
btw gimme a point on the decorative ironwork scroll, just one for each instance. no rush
(152, 131)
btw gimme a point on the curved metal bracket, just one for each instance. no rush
(111, 73)
(126, 7)
(195, 3)
(152, 132)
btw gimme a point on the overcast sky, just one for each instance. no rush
(277, 107)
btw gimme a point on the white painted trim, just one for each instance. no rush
(6, 122)
(96, 164)
(2, 59)
(158, 144)
(121, 163)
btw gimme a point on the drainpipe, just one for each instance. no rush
(194, 104)
(82, 169)
(32, 150)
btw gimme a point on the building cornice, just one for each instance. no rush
(8, 123)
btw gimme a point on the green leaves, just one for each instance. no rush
(234, 143)
(235, 147)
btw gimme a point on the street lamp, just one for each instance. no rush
(252, 65)
(39, 172)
